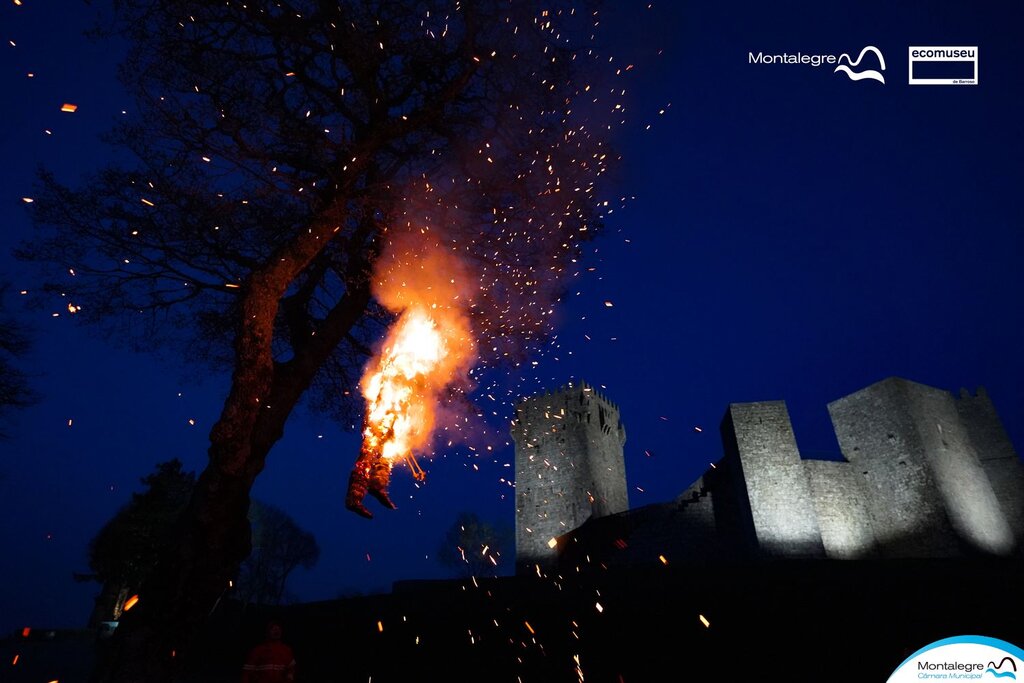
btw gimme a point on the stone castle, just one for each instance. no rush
(924, 475)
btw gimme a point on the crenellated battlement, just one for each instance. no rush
(579, 402)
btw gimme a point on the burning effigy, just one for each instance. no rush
(426, 352)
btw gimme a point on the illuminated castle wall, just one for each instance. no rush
(924, 474)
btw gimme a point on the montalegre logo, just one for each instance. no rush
(963, 658)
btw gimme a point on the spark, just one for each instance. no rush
(69, 108)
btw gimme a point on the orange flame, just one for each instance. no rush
(429, 347)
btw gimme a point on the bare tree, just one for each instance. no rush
(279, 547)
(276, 148)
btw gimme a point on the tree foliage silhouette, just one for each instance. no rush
(473, 547)
(126, 549)
(125, 552)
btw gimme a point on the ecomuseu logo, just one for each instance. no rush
(1010, 671)
(962, 658)
(863, 72)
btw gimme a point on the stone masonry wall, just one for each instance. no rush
(783, 514)
(839, 498)
(878, 435)
(997, 456)
(569, 467)
(970, 502)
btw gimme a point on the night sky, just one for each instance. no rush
(787, 234)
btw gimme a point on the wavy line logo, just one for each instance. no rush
(850, 65)
(994, 668)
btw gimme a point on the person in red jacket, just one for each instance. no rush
(271, 661)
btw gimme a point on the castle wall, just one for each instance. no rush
(926, 475)
(838, 492)
(970, 502)
(998, 458)
(728, 493)
(759, 437)
(877, 435)
(926, 489)
(683, 532)
(569, 467)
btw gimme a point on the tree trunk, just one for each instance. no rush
(213, 536)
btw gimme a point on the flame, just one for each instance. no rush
(429, 347)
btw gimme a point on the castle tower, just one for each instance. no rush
(569, 468)
(928, 491)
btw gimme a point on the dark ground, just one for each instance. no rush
(791, 621)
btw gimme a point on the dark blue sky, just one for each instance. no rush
(794, 235)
